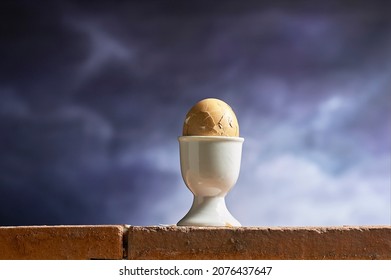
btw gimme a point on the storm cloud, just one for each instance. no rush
(93, 98)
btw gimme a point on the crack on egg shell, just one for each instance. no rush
(230, 121)
(219, 123)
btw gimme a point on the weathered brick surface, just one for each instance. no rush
(309, 243)
(172, 242)
(61, 242)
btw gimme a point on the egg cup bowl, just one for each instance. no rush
(210, 167)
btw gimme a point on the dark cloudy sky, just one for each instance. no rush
(93, 96)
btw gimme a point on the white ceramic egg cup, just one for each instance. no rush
(210, 167)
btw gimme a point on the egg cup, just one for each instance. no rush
(210, 167)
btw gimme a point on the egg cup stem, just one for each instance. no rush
(208, 211)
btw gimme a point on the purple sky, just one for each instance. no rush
(93, 98)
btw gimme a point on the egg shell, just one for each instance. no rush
(211, 117)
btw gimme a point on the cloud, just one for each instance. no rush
(92, 99)
(292, 190)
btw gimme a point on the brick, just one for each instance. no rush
(108, 242)
(288, 243)
(61, 242)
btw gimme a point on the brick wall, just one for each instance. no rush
(133, 242)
